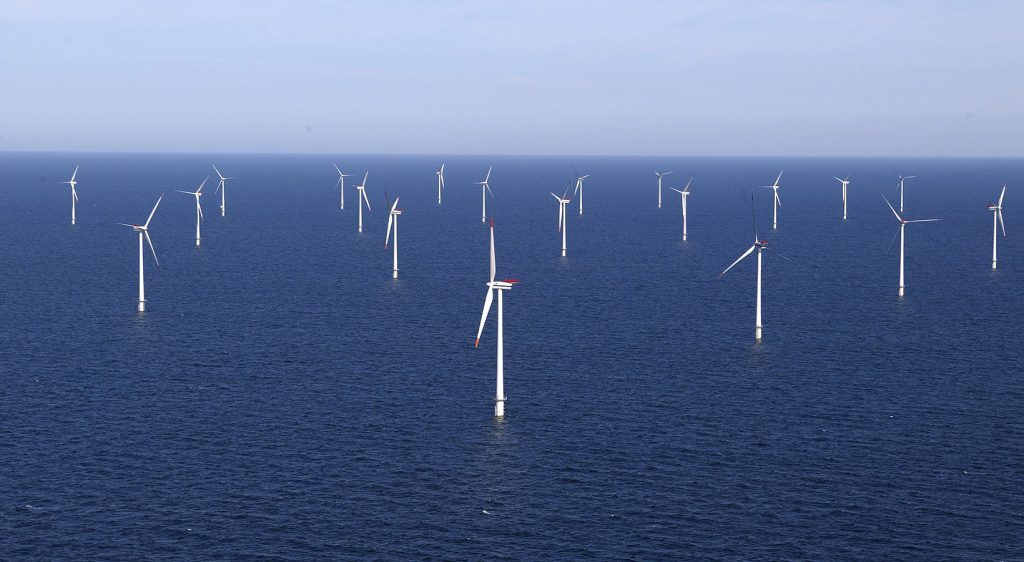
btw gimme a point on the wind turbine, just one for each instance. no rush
(485, 188)
(199, 209)
(221, 187)
(361, 188)
(761, 246)
(660, 175)
(844, 182)
(900, 186)
(563, 218)
(776, 202)
(683, 194)
(74, 194)
(903, 224)
(341, 185)
(499, 287)
(440, 182)
(393, 219)
(143, 231)
(997, 216)
(579, 186)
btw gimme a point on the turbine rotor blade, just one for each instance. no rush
(151, 213)
(387, 238)
(898, 217)
(999, 214)
(493, 265)
(738, 260)
(151, 249)
(483, 317)
(1001, 195)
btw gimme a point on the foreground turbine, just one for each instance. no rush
(563, 221)
(499, 287)
(199, 208)
(143, 231)
(74, 194)
(485, 188)
(341, 185)
(660, 175)
(440, 182)
(761, 246)
(222, 188)
(683, 194)
(844, 182)
(776, 203)
(903, 223)
(361, 197)
(393, 220)
(997, 216)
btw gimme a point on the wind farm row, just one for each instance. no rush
(573, 193)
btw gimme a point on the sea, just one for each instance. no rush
(283, 398)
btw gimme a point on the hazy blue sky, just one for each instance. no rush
(590, 77)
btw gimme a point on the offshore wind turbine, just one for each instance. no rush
(776, 203)
(997, 216)
(393, 220)
(579, 186)
(485, 188)
(341, 185)
(221, 187)
(683, 195)
(660, 175)
(563, 225)
(199, 208)
(844, 182)
(143, 231)
(74, 194)
(761, 246)
(499, 287)
(903, 223)
(361, 197)
(900, 186)
(440, 182)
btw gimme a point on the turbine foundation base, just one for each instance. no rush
(142, 306)
(499, 408)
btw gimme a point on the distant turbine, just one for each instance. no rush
(683, 195)
(500, 287)
(997, 216)
(903, 223)
(900, 186)
(74, 194)
(341, 185)
(563, 218)
(199, 208)
(143, 231)
(485, 188)
(844, 183)
(777, 202)
(361, 188)
(393, 219)
(579, 186)
(761, 246)
(440, 182)
(660, 175)
(222, 188)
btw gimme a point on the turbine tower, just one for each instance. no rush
(485, 188)
(660, 175)
(776, 203)
(361, 188)
(499, 287)
(393, 220)
(903, 223)
(844, 182)
(341, 185)
(222, 188)
(143, 231)
(683, 195)
(997, 216)
(74, 194)
(199, 208)
(440, 182)
(563, 217)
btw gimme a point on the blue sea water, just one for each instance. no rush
(283, 398)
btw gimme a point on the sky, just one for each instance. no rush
(726, 78)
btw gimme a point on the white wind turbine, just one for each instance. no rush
(900, 186)
(499, 287)
(143, 231)
(361, 188)
(660, 175)
(683, 194)
(776, 203)
(74, 194)
(903, 223)
(341, 185)
(199, 208)
(997, 216)
(761, 246)
(440, 182)
(485, 188)
(579, 186)
(844, 182)
(563, 218)
(393, 220)
(221, 187)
